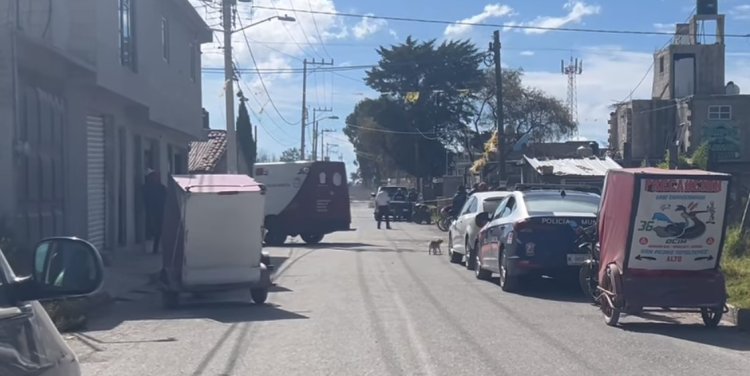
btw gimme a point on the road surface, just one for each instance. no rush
(372, 302)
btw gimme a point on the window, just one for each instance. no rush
(722, 112)
(165, 39)
(193, 61)
(127, 35)
(661, 64)
(490, 205)
(569, 204)
(468, 205)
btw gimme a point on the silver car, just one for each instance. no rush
(29, 342)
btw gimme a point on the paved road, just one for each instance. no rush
(374, 303)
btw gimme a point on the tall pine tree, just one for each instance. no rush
(245, 139)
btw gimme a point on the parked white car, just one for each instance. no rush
(462, 235)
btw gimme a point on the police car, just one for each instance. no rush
(533, 233)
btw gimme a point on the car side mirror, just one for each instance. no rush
(62, 267)
(482, 219)
(372, 195)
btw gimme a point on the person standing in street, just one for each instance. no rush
(154, 197)
(382, 200)
(459, 199)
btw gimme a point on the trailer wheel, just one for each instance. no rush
(170, 299)
(259, 295)
(607, 303)
(712, 316)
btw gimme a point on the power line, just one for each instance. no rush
(492, 25)
(260, 77)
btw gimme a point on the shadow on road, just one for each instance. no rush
(724, 336)
(323, 245)
(560, 290)
(222, 311)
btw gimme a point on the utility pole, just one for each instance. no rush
(303, 123)
(229, 86)
(322, 137)
(572, 70)
(496, 46)
(315, 131)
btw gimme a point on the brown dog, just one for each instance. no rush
(435, 247)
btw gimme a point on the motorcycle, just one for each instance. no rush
(588, 275)
(446, 218)
(422, 214)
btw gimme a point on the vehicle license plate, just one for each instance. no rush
(576, 259)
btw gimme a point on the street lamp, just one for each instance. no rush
(226, 5)
(316, 134)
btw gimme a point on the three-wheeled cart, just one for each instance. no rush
(661, 234)
(212, 237)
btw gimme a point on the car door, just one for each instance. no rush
(497, 234)
(29, 342)
(458, 227)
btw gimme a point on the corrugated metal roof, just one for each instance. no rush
(205, 155)
(591, 166)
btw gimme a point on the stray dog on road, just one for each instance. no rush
(435, 247)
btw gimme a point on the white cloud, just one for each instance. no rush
(664, 27)
(456, 31)
(527, 53)
(741, 12)
(368, 26)
(394, 34)
(577, 10)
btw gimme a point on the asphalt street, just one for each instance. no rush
(373, 302)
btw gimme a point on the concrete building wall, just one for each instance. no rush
(729, 137)
(7, 119)
(709, 72)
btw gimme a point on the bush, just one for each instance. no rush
(734, 244)
(736, 268)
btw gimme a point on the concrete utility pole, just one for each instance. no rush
(496, 46)
(315, 131)
(229, 78)
(304, 101)
(322, 137)
(229, 86)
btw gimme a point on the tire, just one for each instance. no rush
(610, 312)
(275, 238)
(508, 283)
(444, 224)
(471, 257)
(312, 238)
(712, 316)
(170, 299)
(259, 295)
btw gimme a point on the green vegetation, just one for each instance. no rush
(700, 160)
(245, 138)
(736, 268)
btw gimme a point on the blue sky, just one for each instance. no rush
(613, 64)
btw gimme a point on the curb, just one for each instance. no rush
(739, 317)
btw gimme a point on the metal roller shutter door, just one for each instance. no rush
(95, 180)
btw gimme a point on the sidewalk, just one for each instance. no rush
(127, 271)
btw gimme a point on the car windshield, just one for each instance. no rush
(392, 190)
(491, 204)
(570, 204)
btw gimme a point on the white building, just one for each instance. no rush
(92, 94)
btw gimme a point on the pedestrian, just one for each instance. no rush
(382, 200)
(459, 199)
(154, 197)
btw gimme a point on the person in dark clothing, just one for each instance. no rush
(459, 199)
(154, 197)
(413, 195)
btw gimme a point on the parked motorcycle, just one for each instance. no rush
(422, 214)
(588, 275)
(445, 219)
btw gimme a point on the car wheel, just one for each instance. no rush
(275, 238)
(312, 238)
(507, 282)
(482, 274)
(712, 316)
(471, 257)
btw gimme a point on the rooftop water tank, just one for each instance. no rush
(707, 7)
(732, 89)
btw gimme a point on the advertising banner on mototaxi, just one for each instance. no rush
(678, 224)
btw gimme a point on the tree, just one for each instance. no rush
(245, 138)
(290, 155)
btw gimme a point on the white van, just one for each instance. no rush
(305, 198)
